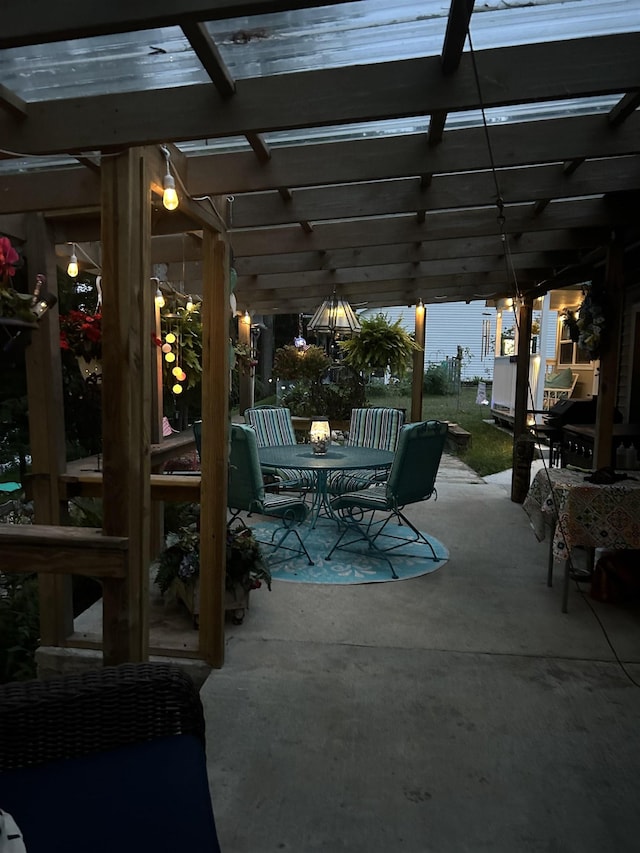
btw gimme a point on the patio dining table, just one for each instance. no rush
(337, 458)
(582, 513)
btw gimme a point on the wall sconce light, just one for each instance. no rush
(169, 196)
(42, 305)
(320, 435)
(72, 269)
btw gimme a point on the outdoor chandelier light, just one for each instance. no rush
(72, 269)
(334, 317)
(169, 196)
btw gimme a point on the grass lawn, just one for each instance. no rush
(491, 449)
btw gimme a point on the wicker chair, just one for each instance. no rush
(110, 759)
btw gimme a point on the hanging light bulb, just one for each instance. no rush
(72, 269)
(190, 305)
(159, 298)
(177, 388)
(169, 196)
(247, 318)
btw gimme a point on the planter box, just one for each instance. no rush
(236, 600)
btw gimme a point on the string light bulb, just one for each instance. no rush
(169, 357)
(247, 318)
(177, 388)
(170, 338)
(159, 298)
(169, 196)
(190, 306)
(72, 269)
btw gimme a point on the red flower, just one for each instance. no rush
(8, 258)
(81, 334)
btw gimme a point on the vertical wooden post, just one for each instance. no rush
(46, 429)
(215, 444)
(522, 442)
(609, 356)
(126, 395)
(417, 383)
(156, 534)
(245, 376)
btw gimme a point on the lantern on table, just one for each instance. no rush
(320, 435)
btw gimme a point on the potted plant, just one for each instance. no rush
(81, 335)
(178, 568)
(381, 345)
(15, 307)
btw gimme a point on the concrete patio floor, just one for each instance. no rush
(460, 711)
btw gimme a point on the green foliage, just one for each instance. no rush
(380, 345)
(309, 365)
(180, 558)
(436, 380)
(19, 626)
(331, 399)
(15, 306)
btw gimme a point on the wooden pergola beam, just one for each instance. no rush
(83, 20)
(548, 71)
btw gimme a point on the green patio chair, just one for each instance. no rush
(246, 493)
(365, 515)
(377, 427)
(273, 428)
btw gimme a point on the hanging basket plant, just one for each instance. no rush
(381, 345)
(587, 325)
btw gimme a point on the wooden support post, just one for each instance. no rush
(245, 375)
(46, 428)
(215, 445)
(126, 395)
(522, 442)
(156, 533)
(609, 355)
(417, 383)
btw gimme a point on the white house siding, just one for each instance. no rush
(449, 326)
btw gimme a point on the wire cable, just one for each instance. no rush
(511, 275)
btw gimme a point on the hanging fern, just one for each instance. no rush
(380, 345)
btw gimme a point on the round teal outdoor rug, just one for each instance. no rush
(352, 566)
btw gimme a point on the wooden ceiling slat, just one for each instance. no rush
(549, 71)
(446, 191)
(562, 242)
(13, 104)
(45, 23)
(556, 140)
(315, 164)
(456, 33)
(427, 269)
(207, 52)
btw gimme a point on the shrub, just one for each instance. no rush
(436, 381)
(309, 365)
(19, 626)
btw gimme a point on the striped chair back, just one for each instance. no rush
(377, 427)
(273, 426)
